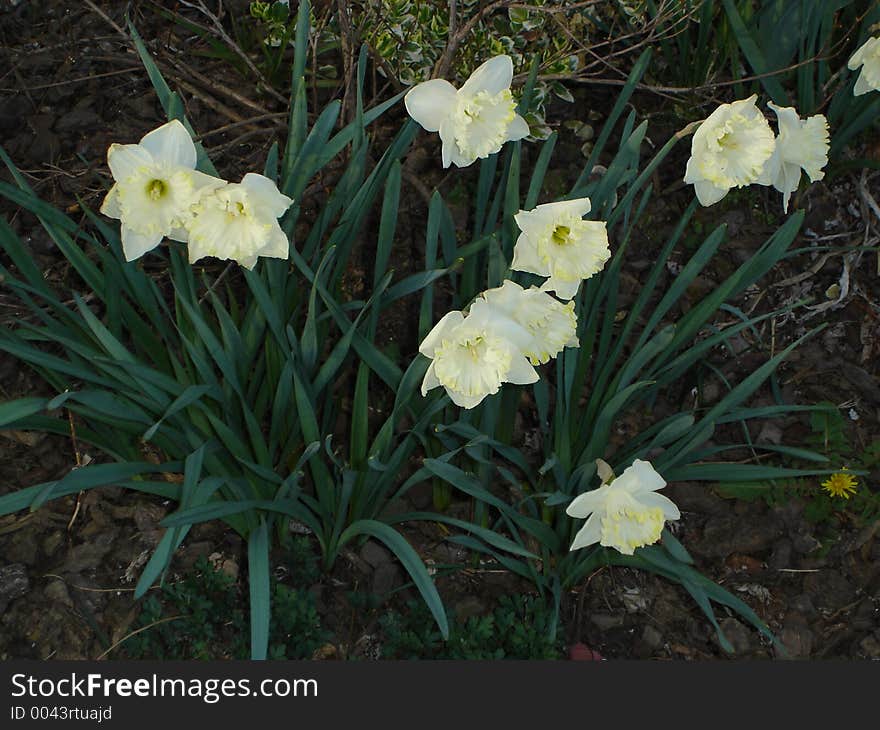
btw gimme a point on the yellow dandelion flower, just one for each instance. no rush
(841, 484)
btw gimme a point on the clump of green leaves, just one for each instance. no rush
(520, 627)
(202, 617)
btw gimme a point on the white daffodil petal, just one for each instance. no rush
(463, 400)
(525, 258)
(800, 144)
(430, 380)
(171, 144)
(127, 160)
(858, 58)
(868, 58)
(491, 77)
(430, 102)
(669, 508)
(557, 242)
(640, 476)
(862, 86)
(708, 193)
(264, 192)
(135, 245)
(442, 329)
(564, 289)
(589, 534)
(239, 222)
(521, 372)
(110, 206)
(179, 234)
(550, 325)
(277, 246)
(518, 129)
(585, 504)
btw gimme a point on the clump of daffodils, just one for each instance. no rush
(729, 150)
(158, 192)
(624, 513)
(474, 121)
(868, 58)
(800, 144)
(557, 243)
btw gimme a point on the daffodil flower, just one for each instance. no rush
(240, 221)
(156, 188)
(868, 57)
(557, 243)
(801, 143)
(471, 356)
(729, 150)
(625, 512)
(474, 121)
(551, 324)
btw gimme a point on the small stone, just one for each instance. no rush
(468, 607)
(726, 534)
(830, 590)
(14, 584)
(781, 555)
(374, 554)
(803, 604)
(796, 637)
(229, 567)
(870, 645)
(652, 637)
(738, 635)
(606, 621)
(695, 497)
(386, 578)
(52, 542)
(804, 543)
(57, 592)
(770, 433)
